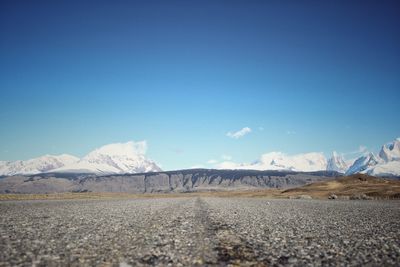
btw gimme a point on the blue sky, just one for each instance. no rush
(310, 76)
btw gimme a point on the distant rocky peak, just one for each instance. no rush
(363, 163)
(390, 151)
(336, 163)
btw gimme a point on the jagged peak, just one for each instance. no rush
(390, 151)
(336, 163)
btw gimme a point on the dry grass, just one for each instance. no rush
(345, 186)
(351, 185)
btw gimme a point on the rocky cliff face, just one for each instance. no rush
(172, 181)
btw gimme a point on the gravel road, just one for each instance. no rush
(199, 231)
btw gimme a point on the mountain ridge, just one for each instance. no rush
(129, 158)
(36, 165)
(188, 180)
(114, 158)
(386, 163)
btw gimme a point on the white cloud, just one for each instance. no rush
(238, 134)
(139, 147)
(130, 148)
(226, 157)
(198, 166)
(228, 165)
(212, 161)
(362, 149)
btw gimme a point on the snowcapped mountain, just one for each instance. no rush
(336, 163)
(116, 158)
(386, 164)
(363, 163)
(130, 157)
(390, 151)
(299, 162)
(385, 169)
(37, 165)
(280, 161)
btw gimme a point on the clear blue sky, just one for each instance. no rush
(316, 76)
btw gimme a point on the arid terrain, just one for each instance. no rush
(260, 227)
(348, 186)
(343, 187)
(198, 231)
(181, 181)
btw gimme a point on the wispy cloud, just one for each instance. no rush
(226, 157)
(198, 166)
(177, 151)
(212, 161)
(290, 132)
(361, 149)
(238, 134)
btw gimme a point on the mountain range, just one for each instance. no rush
(386, 163)
(119, 158)
(37, 165)
(129, 158)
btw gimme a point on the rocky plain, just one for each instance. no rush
(199, 231)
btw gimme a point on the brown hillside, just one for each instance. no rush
(350, 185)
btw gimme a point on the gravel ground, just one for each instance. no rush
(200, 231)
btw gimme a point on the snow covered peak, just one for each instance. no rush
(64, 158)
(390, 151)
(300, 162)
(130, 149)
(280, 161)
(118, 158)
(363, 163)
(36, 165)
(109, 159)
(336, 163)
